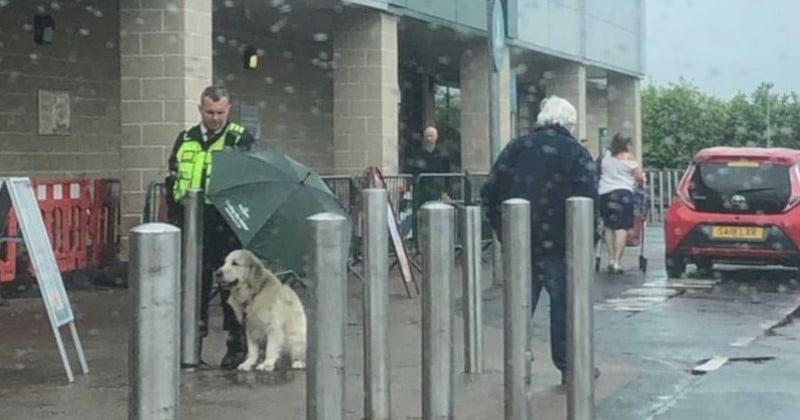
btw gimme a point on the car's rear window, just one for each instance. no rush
(740, 187)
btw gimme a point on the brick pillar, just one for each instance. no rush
(165, 49)
(569, 82)
(428, 101)
(475, 143)
(528, 108)
(625, 109)
(365, 92)
(596, 116)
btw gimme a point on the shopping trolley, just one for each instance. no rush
(636, 235)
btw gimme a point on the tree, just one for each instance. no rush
(678, 120)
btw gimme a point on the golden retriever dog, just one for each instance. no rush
(271, 312)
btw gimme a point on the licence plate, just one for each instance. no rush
(752, 233)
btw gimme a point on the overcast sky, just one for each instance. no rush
(724, 46)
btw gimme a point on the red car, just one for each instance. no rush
(737, 206)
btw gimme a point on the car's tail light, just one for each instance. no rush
(683, 188)
(794, 180)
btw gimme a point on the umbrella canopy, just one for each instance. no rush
(266, 196)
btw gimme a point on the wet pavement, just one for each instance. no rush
(650, 333)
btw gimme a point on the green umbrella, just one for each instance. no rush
(266, 196)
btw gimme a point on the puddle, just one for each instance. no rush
(248, 379)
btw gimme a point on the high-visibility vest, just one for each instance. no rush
(194, 159)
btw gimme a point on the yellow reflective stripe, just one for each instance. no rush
(236, 128)
(188, 154)
(197, 169)
(198, 163)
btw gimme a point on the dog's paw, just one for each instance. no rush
(266, 367)
(298, 364)
(246, 366)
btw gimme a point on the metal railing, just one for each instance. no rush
(401, 195)
(661, 185)
(407, 193)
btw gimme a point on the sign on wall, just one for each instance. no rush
(54, 112)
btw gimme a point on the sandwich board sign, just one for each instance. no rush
(375, 178)
(17, 193)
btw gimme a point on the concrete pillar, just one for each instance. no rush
(365, 92)
(625, 109)
(528, 107)
(165, 51)
(569, 82)
(596, 115)
(475, 153)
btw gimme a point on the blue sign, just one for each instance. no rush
(498, 35)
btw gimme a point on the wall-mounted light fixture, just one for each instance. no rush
(250, 58)
(43, 29)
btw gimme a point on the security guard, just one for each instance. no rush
(190, 166)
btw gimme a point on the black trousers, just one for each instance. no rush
(218, 242)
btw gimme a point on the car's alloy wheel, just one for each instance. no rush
(675, 266)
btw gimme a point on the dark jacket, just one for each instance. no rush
(423, 161)
(430, 187)
(544, 167)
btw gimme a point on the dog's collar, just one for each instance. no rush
(247, 302)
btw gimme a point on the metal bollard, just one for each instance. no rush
(471, 290)
(580, 275)
(192, 277)
(325, 386)
(154, 278)
(517, 307)
(377, 393)
(497, 261)
(438, 240)
(153, 197)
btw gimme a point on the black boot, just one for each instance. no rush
(237, 350)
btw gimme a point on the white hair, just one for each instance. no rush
(555, 110)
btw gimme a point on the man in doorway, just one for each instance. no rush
(190, 166)
(430, 160)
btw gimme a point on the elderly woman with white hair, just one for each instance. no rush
(545, 167)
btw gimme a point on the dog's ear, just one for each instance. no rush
(256, 270)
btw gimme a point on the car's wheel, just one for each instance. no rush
(675, 266)
(704, 266)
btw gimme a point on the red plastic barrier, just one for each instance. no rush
(105, 221)
(8, 252)
(81, 218)
(66, 207)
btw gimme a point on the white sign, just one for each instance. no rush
(37, 242)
